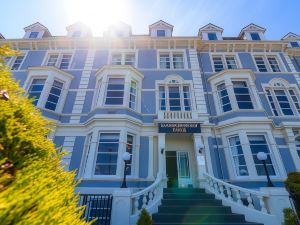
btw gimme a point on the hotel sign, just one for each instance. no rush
(179, 128)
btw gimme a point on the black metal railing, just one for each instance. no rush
(97, 207)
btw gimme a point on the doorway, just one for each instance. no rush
(178, 169)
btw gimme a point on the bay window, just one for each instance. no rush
(129, 149)
(238, 157)
(243, 149)
(224, 98)
(36, 89)
(242, 95)
(115, 91)
(132, 96)
(48, 89)
(54, 95)
(107, 154)
(258, 144)
(118, 86)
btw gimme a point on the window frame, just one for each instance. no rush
(123, 54)
(295, 42)
(235, 75)
(59, 58)
(212, 33)
(245, 146)
(171, 54)
(255, 33)
(129, 74)
(12, 60)
(286, 87)
(160, 30)
(106, 90)
(50, 75)
(180, 83)
(88, 162)
(224, 61)
(36, 33)
(265, 57)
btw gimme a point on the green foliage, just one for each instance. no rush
(292, 183)
(144, 218)
(34, 188)
(290, 217)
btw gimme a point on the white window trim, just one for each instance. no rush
(13, 58)
(125, 72)
(273, 148)
(60, 54)
(223, 56)
(269, 69)
(286, 86)
(88, 162)
(181, 83)
(50, 76)
(123, 52)
(227, 78)
(171, 53)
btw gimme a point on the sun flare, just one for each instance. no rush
(97, 14)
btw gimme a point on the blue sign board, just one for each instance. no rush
(179, 128)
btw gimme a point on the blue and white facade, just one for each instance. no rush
(108, 95)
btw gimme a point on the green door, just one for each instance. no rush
(171, 167)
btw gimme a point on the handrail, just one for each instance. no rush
(149, 196)
(237, 195)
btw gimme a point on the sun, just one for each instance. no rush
(97, 14)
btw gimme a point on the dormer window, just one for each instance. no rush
(76, 33)
(212, 36)
(161, 33)
(255, 36)
(33, 34)
(294, 44)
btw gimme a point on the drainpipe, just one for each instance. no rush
(210, 106)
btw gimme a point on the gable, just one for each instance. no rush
(211, 27)
(161, 25)
(252, 27)
(291, 36)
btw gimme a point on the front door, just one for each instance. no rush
(178, 169)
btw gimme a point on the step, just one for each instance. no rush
(202, 218)
(193, 202)
(184, 190)
(188, 196)
(194, 209)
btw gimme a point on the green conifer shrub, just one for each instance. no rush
(144, 218)
(34, 188)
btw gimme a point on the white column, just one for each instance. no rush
(89, 167)
(199, 155)
(121, 207)
(150, 165)
(207, 154)
(162, 154)
(292, 147)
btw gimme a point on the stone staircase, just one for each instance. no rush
(194, 207)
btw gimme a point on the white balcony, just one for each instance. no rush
(177, 115)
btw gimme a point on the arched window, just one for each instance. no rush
(174, 94)
(283, 98)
